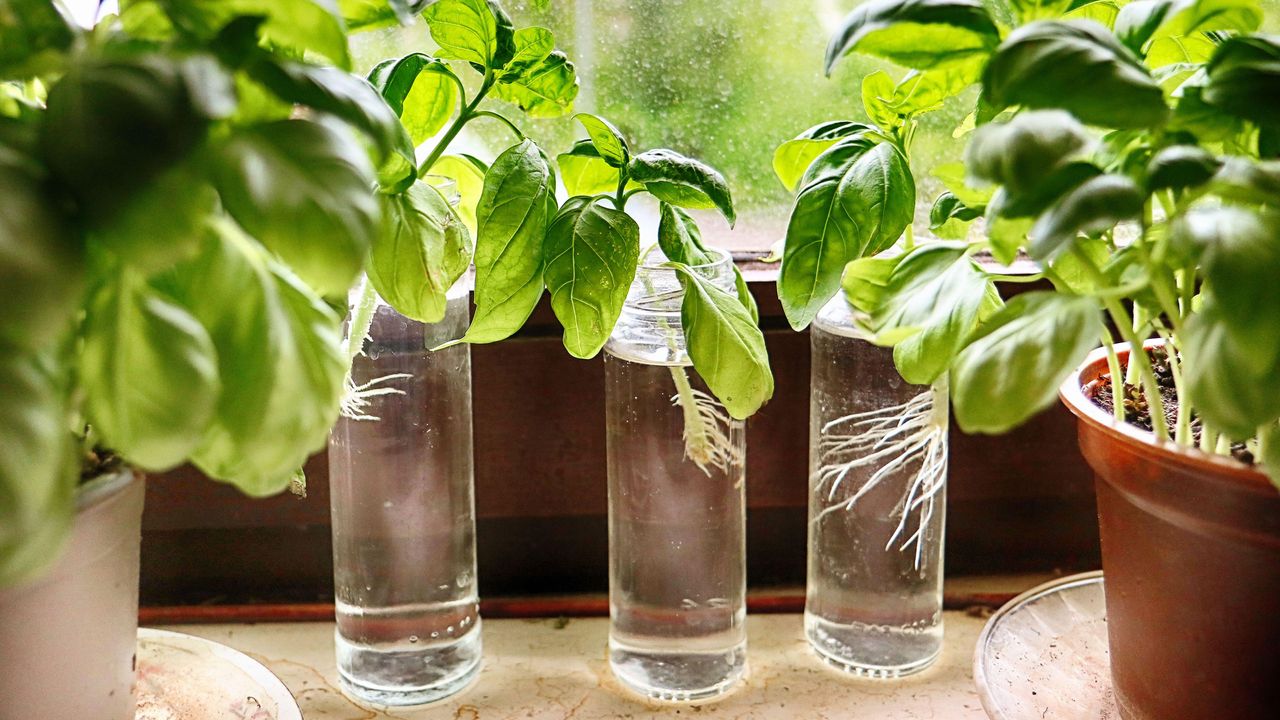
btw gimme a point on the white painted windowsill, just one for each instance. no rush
(550, 670)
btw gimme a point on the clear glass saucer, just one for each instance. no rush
(184, 677)
(1044, 655)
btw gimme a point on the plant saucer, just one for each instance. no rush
(1044, 654)
(183, 677)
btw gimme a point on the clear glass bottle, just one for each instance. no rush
(877, 502)
(677, 505)
(401, 488)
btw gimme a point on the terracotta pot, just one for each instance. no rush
(67, 638)
(1191, 554)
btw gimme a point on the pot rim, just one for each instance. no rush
(97, 489)
(1094, 366)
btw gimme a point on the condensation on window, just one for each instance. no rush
(723, 81)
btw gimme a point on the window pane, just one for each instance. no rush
(722, 81)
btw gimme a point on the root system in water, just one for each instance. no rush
(896, 438)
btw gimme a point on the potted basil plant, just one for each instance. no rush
(400, 458)
(180, 197)
(1148, 195)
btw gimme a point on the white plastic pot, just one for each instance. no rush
(67, 639)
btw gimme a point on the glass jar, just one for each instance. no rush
(677, 506)
(877, 501)
(401, 489)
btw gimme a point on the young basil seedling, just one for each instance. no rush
(593, 252)
(425, 245)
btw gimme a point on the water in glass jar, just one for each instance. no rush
(676, 525)
(408, 627)
(876, 507)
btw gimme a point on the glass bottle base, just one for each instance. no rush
(873, 651)
(399, 676)
(678, 676)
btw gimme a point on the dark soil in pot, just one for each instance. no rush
(1191, 552)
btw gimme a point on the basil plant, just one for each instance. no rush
(1129, 150)
(186, 193)
(592, 250)
(425, 245)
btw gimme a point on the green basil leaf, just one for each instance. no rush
(591, 256)
(280, 360)
(1040, 66)
(878, 192)
(128, 119)
(821, 236)
(1103, 12)
(949, 218)
(889, 103)
(421, 252)
(679, 237)
(1269, 141)
(362, 15)
(504, 31)
(793, 157)
(1071, 273)
(866, 281)
(606, 138)
(149, 374)
(1240, 259)
(545, 90)
(877, 96)
(163, 222)
(41, 259)
(1147, 21)
(294, 25)
(1137, 22)
(584, 172)
(744, 295)
(1013, 369)
(932, 304)
(1037, 199)
(1224, 379)
(1021, 153)
(1027, 10)
(303, 189)
(1246, 181)
(856, 201)
(1181, 166)
(1095, 205)
(464, 30)
(1006, 236)
(345, 96)
(726, 346)
(39, 465)
(421, 90)
(468, 175)
(952, 176)
(515, 210)
(532, 46)
(1244, 78)
(34, 38)
(919, 34)
(682, 181)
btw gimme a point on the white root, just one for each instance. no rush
(910, 437)
(707, 427)
(357, 398)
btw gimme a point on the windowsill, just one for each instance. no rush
(556, 669)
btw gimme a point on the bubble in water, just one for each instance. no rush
(413, 638)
